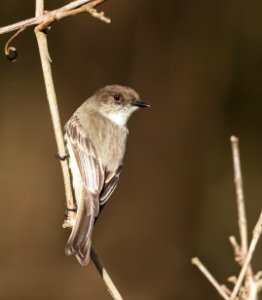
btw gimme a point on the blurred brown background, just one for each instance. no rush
(198, 63)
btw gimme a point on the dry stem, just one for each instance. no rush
(52, 101)
(103, 272)
(57, 14)
(242, 221)
(243, 255)
(256, 234)
(221, 289)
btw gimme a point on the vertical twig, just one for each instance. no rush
(52, 101)
(39, 8)
(242, 221)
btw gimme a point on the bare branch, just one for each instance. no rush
(237, 249)
(256, 234)
(253, 283)
(52, 101)
(242, 221)
(39, 8)
(220, 288)
(54, 15)
(102, 271)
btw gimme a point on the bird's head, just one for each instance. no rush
(117, 103)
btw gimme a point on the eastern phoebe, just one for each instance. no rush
(96, 138)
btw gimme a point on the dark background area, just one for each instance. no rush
(198, 63)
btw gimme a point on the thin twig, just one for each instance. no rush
(102, 271)
(51, 95)
(242, 221)
(10, 51)
(39, 8)
(89, 7)
(253, 283)
(237, 250)
(52, 101)
(256, 234)
(221, 289)
(50, 16)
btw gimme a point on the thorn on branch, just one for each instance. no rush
(258, 275)
(99, 15)
(237, 250)
(68, 223)
(232, 279)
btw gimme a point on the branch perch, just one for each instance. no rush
(256, 235)
(70, 9)
(243, 254)
(52, 101)
(242, 220)
(196, 261)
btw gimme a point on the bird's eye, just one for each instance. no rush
(118, 97)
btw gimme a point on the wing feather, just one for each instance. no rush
(98, 185)
(110, 184)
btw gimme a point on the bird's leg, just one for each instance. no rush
(74, 209)
(62, 158)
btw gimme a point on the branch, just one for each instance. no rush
(242, 221)
(253, 283)
(68, 10)
(103, 272)
(195, 261)
(256, 234)
(52, 101)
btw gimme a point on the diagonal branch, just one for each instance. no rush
(107, 279)
(196, 261)
(243, 254)
(54, 15)
(256, 235)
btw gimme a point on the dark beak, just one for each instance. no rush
(140, 104)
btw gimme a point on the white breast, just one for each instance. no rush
(120, 117)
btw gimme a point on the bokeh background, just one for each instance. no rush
(199, 65)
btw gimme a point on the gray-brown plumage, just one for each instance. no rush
(96, 140)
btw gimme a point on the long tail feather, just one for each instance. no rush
(79, 242)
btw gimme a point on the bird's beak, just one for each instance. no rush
(140, 104)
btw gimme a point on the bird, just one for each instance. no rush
(96, 137)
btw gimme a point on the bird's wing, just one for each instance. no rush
(111, 181)
(91, 170)
(93, 177)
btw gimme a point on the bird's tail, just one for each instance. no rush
(79, 242)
